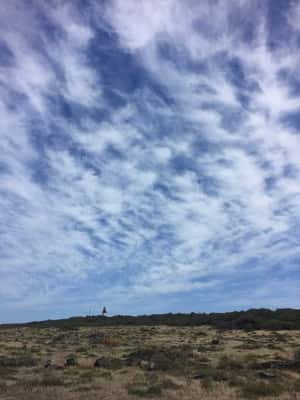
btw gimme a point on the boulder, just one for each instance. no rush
(266, 375)
(71, 361)
(102, 362)
(147, 365)
(108, 363)
(50, 365)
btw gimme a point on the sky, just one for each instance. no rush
(149, 156)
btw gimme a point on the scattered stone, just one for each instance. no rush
(147, 365)
(215, 341)
(109, 363)
(102, 362)
(266, 375)
(48, 364)
(200, 375)
(71, 361)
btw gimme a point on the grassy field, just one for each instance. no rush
(148, 362)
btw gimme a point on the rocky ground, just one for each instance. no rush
(148, 362)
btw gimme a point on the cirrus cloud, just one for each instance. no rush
(149, 156)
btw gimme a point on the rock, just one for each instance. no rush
(266, 375)
(108, 363)
(48, 364)
(215, 341)
(147, 365)
(199, 376)
(102, 362)
(71, 361)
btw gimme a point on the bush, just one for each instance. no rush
(87, 375)
(21, 361)
(230, 363)
(111, 341)
(163, 359)
(255, 389)
(138, 389)
(169, 384)
(250, 319)
(45, 381)
(213, 374)
(51, 380)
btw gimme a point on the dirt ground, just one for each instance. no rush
(148, 362)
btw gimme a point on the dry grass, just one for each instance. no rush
(149, 362)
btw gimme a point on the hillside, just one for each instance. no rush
(251, 319)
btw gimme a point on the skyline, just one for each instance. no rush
(149, 156)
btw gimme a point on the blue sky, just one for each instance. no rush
(150, 156)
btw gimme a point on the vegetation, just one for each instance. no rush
(129, 362)
(254, 319)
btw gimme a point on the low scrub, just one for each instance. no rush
(255, 389)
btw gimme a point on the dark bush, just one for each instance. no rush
(22, 361)
(250, 319)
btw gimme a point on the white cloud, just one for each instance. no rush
(180, 197)
(138, 23)
(162, 154)
(242, 181)
(294, 16)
